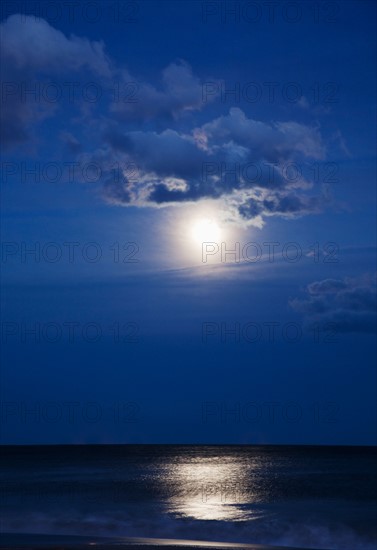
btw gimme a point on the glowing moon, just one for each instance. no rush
(206, 230)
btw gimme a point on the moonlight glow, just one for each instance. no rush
(206, 230)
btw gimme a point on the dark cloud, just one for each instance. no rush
(273, 142)
(180, 92)
(72, 144)
(284, 204)
(119, 142)
(31, 44)
(233, 158)
(119, 193)
(33, 54)
(358, 299)
(349, 304)
(326, 286)
(292, 205)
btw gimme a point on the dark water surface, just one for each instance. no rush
(310, 497)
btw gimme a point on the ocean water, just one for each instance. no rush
(310, 497)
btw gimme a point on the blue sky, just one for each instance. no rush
(156, 127)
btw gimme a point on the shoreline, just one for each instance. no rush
(250, 445)
(15, 541)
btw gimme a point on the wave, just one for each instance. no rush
(273, 532)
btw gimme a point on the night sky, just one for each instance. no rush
(188, 222)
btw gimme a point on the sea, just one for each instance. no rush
(303, 496)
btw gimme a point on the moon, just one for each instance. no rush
(205, 230)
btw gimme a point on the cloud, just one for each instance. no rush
(180, 92)
(350, 305)
(231, 158)
(286, 205)
(72, 144)
(31, 44)
(327, 286)
(273, 141)
(33, 54)
(303, 102)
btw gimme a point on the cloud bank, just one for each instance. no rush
(350, 305)
(232, 158)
